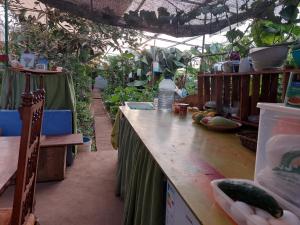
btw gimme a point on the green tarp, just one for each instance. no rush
(60, 93)
(140, 180)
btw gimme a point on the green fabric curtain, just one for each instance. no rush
(60, 93)
(140, 180)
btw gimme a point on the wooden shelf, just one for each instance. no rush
(35, 71)
(262, 72)
(243, 90)
(245, 122)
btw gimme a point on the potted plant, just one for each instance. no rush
(239, 42)
(272, 36)
(270, 50)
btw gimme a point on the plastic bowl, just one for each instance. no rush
(296, 56)
(268, 57)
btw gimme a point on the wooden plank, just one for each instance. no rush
(285, 81)
(244, 99)
(235, 89)
(201, 92)
(219, 94)
(181, 156)
(207, 85)
(273, 87)
(262, 72)
(255, 95)
(52, 163)
(62, 140)
(213, 85)
(265, 88)
(227, 91)
(36, 71)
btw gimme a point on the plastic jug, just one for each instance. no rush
(166, 94)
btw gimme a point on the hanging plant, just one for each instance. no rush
(266, 33)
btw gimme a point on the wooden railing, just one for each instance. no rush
(240, 92)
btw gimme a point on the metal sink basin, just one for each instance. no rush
(140, 105)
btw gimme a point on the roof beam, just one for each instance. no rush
(175, 42)
(150, 38)
(185, 42)
(171, 41)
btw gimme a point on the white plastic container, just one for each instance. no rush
(277, 166)
(244, 215)
(166, 94)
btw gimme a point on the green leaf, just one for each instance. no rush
(144, 59)
(215, 48)
(128, 55)
(234, 34)
(179, 64)
(115, 98)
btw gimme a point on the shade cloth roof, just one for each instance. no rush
(179, 18)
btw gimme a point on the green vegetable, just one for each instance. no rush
(252, 195)
(199, 117)
(221, 121)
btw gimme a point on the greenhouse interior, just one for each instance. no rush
(150, 112)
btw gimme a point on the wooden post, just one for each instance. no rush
(207, 87)
(227, 91)
(255, 94)
(200, 92)
(244, 99)
(219, 94)
(273, 87)
(285, 81)
(265, 88)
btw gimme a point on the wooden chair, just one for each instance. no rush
(31, 113)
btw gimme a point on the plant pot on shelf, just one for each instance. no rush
(268, 57)
(245, 65)
(86, 146)
(227, 67)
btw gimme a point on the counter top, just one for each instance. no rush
(191, 156)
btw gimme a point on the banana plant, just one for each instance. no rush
(170, 60)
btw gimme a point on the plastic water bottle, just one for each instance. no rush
(166, 93)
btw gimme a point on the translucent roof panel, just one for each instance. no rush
(179, 18)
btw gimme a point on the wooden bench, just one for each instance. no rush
(52, 157)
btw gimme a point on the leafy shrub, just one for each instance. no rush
(118, 96)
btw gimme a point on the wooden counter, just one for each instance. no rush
(191, 156)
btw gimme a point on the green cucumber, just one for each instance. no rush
(252, 195)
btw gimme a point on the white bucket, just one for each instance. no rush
(86, 146)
